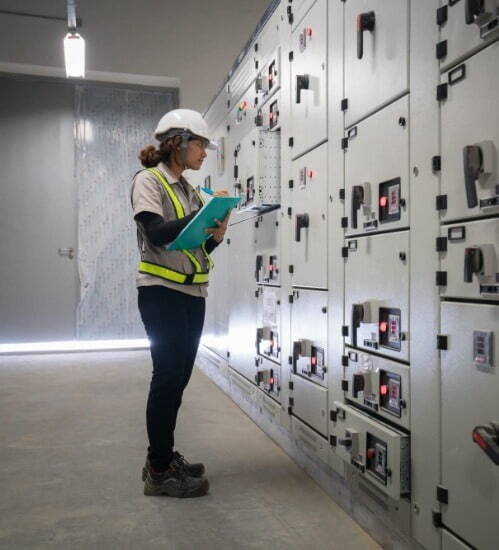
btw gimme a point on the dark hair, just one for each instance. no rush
(150, 156)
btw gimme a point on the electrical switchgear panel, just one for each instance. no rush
(378, 385)
(469, 254)
(377, 176)
(376, 54)
(470, 420)
(308, 402)
(268, 377)
(309, 219)
(377, 294)
(465, 27)
(470, 138)
(309, 80)
(309, 335)
(380, 453)
(268, 342)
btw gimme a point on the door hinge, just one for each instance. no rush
(290, 410)
(344, 360)
(436, 163)
(291, 401)
(344, 385)
(344, 330)
(344, 251)
(290, 299)
(441, 202)
(344, 143)
(291, 56)
(437, 518)
(291, 184)
(442, 15)
(344, 104)
(341, 194)
(291, 268)
(333, 415)
(442, 92)
(291, 385)
(441, 278)
(291, 17)
(442, 342)
(228, 354)
(332, 440)
(344, 222)
(441, 244)
(442, 494)
(441, 49)
(228, 128)
(291, 142)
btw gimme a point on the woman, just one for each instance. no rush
(171, 290)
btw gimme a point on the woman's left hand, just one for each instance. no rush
(218, 232)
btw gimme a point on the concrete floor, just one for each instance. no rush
(72, 440)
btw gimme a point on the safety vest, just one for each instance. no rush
(199, 276)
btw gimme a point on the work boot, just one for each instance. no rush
(174, 483)
(178, 460)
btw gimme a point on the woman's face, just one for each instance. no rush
(196, 153)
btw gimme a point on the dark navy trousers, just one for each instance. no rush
(174, 323)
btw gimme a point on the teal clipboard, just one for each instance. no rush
(193, 234)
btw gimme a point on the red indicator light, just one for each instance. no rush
(371, 453)
(271, 267)
(383, 326)
(383, 390)
(271, 381)
(312, 173)
(477, 438)
(383, 201)
(309, 31)
(314, 361)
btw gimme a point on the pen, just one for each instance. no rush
(207, 191)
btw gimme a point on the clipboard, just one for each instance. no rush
(193, 234)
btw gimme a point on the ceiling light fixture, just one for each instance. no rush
(74, 45)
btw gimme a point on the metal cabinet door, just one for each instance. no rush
(470, 137)
(268, 377)
(470, 389)
(309, 215)
(309, 80)
(269, 166)
(377, 294)
(381, 454)
(242, 117)
(309, 334)
(245, 157)
(308, 402)
(471, 260)
(461, 36)
(379, 386)
(242, 304)
(380, 72)
(268, 81)
(268, 331)
(377, 171)
(268, 244)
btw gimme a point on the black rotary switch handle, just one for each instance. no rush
(357, 200)
(472, 9)
(357, 317)
(473, 262)
(473, 164)
(302, 221)
(487, 438)
(365, 22)
(302, 83)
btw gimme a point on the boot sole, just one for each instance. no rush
(201, 491)
(144, 474)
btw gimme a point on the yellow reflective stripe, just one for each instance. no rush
(194, 260)
(201, 278)
(179, 209)
(208, 257)
(163, 272)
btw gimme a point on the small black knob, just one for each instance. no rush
(402, 121)
(324, 309)
(402, 256)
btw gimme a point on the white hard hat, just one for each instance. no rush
(183, 120)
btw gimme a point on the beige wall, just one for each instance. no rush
(194, 40)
